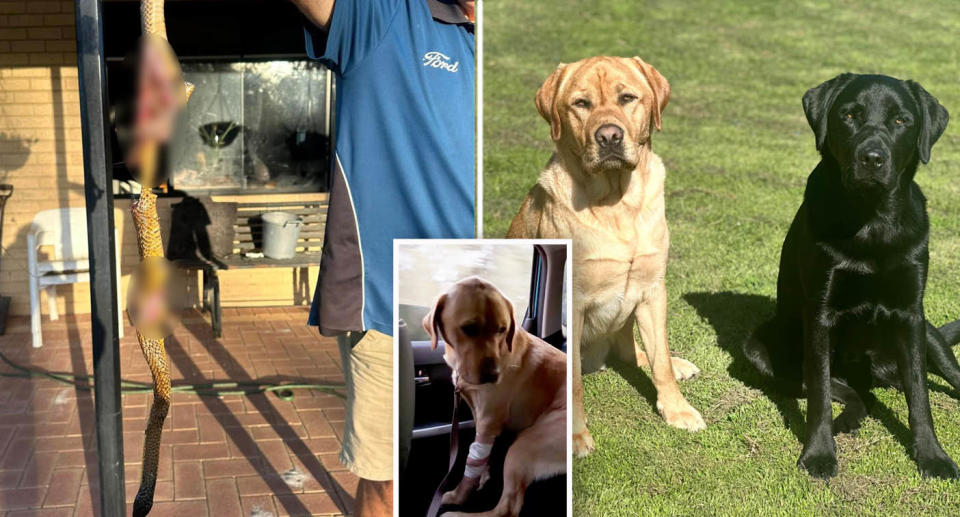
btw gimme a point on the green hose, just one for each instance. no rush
(209, 389)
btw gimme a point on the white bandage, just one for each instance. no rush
(477, 459)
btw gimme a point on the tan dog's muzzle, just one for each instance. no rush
(607, 143)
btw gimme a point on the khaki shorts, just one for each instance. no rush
(367, 359)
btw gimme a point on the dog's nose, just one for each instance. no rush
(608, 135)
(872, 159)
(489, 377)
(489, 371)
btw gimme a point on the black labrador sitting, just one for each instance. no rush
(853, 269)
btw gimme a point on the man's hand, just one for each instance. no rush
(317, 11)
(469, 8)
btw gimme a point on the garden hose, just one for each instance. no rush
(210, 389)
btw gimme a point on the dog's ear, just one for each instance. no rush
(547, 100)
(432, 322)
(817, 102)
(933, 119)
(512, 327)
(660, 86)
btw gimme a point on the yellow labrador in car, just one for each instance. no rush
(603, 188)
(511, 380)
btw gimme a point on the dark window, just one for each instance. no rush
(253, 126)
(260, 119)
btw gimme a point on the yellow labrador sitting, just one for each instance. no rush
(603, 188)
(511, 380)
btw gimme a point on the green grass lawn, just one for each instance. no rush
(738, 151)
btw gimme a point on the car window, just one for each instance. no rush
(424, 271)
(563, 314)
(413, 315)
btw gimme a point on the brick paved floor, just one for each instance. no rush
(233, 456)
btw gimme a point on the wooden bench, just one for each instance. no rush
(248, 231)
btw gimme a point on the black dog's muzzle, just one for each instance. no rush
(871, 164)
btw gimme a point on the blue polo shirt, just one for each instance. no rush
(404, 163)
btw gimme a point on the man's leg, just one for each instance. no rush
(374, 498)
(367, 359)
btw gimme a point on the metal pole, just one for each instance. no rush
(97, 167)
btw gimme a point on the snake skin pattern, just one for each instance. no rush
(151, 18)
(151, 245)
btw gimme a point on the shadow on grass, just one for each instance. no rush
(636, 376)
(945, 388)
(733, 317)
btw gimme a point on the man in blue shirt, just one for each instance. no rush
(403, 168)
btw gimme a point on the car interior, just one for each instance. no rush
(426, 404)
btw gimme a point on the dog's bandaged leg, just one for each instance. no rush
(477, 460)
(475, 473)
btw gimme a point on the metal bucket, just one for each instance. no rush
(280, 233)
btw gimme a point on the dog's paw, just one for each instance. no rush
(449, 497)
(682, 416)
(821, 465)
(938, 466)
(582, 444)
(683, 369)
(456, 496)
(847, 422)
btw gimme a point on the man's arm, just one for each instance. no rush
(318, 12)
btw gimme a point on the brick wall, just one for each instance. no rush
(41, 156)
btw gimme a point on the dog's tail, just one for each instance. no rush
(951, 333)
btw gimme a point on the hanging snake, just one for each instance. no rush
(152, 271)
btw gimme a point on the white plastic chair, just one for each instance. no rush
(65, 229)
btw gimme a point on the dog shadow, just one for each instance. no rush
(636, 377)
(941, 387)
(733, 317)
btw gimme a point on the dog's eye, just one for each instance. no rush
(582, 103)
(502, 330)
(627, 98)
(899, 121)
(849, 116)
(470, 330)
